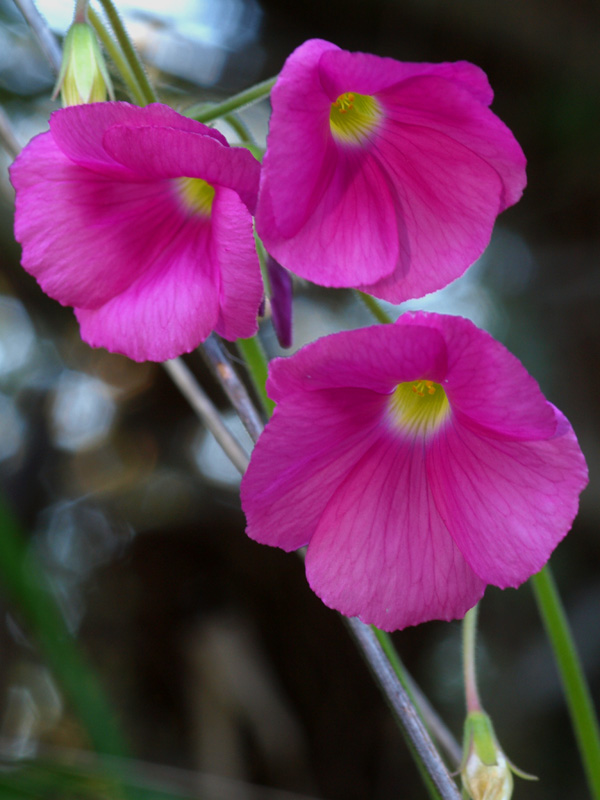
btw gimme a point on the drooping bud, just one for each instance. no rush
(281, 301)
(83, 74)
(486, 772)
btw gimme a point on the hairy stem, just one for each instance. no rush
(129, 52)
(208, 112)
(116, 55)
(469, 628)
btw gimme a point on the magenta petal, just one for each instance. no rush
(341, 71)
(507, 504)
(79, 130)
(168, 311)
(381, 551)
(300, 460)
(168, 153)
(488, 387)
(401, 206)
(438, 105)
(299, 125)
(444, 230)
(455, 166)
(408, 509)
(351, 235)
(107, 227)
(72, 222)
(233, 248)
(376, 358)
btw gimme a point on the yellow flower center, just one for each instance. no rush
(419, 407)
(353, 117)
(197, 195)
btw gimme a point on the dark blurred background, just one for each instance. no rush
(218, 659)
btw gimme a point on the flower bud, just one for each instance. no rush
(281, 301)
(83, 75)
(486, 773)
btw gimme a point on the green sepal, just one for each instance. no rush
(479, 732)
(83, 76)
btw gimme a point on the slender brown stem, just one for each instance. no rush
(191, 390)
(220, 364)
(404, 709)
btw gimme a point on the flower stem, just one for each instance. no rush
(240, 128)
(433, 769)
(129, 52)
(207, 112)
(579, 701)
(374, 307)
(191, 390)
(257, 364)
(469, 628)
(117, 57)
(434, 724)
(219, 362)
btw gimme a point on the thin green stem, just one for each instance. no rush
(25, 582)
(262, 260)
(257, 364)
(469, 628)
(579, 701)
(129, 52)
(117, 57)
(240, 127)
(208, 112)
(374, 307)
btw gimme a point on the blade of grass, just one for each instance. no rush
(577, 693)
(25, 584)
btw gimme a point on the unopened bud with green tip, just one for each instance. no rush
(83, 74)
(486, 772)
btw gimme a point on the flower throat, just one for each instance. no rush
(353, 117)
(419, 406)
(197, 195)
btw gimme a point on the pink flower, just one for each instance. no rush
(382, 175)
(419, 462)
(140, 219)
